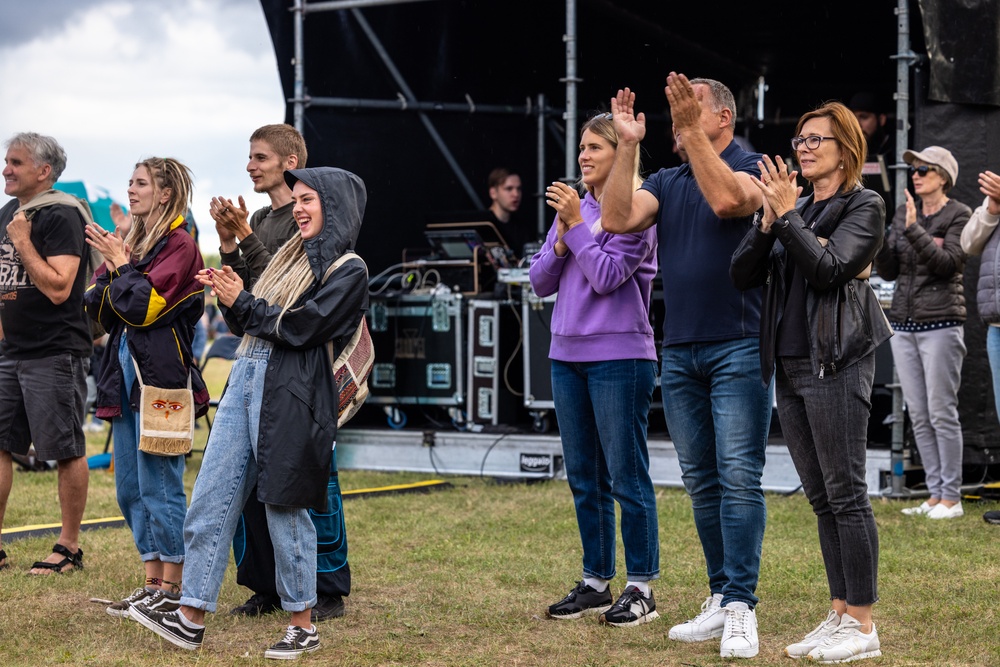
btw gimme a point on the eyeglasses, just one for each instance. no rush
(923, 169)
(812, 142)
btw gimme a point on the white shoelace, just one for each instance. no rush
(707, 609)
(738, 623)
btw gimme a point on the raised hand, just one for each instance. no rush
(631, 128)
(989, 185)
(685, 108)
(778, 187)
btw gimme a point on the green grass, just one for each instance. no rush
(462, 576)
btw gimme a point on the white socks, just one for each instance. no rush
(599, 585)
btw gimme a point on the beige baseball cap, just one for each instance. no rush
(937, 156)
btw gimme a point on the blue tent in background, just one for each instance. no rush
(98, 198)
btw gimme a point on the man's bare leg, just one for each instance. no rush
(74, 478)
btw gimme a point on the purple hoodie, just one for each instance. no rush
(604, 284)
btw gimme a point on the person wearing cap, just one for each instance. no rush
(923, 254)
(283, 444)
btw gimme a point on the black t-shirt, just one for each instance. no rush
(793, 333)
(33, 326)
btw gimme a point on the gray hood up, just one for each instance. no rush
(343, 198)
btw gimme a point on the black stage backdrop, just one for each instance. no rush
(510, 52)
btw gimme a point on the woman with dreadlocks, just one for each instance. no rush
(277, 419)
(148, 300)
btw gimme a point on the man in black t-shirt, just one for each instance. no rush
(46, 348)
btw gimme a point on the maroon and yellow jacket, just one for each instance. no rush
(158, 301)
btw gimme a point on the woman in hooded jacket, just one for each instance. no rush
(277, 419)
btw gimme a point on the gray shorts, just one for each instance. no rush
(42, 402)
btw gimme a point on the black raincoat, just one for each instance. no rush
(298, 418)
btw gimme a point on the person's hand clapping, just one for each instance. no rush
(225, 284)
(989, 185)
(566, 201)
(111, 246)
(778, 188)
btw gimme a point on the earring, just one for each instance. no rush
(841, 165)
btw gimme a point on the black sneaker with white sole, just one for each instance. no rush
(295, 642)
(121, 607)
(169, 625)
(631, 608)
(581, 600)
(161, 601)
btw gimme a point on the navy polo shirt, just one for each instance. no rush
(696, 248)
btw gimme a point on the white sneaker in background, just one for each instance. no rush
(942, 512)
(923, 508)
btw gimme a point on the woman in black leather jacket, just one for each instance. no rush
(820, 325)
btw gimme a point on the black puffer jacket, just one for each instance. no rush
(845, 321)
(298, 416)
(926, 261)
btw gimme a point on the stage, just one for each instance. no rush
(520, 455)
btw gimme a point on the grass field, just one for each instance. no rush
(462, 576)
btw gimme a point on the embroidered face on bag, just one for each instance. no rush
(164, 411)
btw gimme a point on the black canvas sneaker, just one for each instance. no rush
(631, 608)
(581, 600)
(170, 626)
(121, 607)
(295, 642)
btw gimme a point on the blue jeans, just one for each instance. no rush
(993, 352)
(603, 411)
(228, 474)
(718, 412)
(150, 487)
(825, 423)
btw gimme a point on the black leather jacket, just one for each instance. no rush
(846, 322)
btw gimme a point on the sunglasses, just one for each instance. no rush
(923, 169)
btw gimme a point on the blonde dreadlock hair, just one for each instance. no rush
(165, 174)
(283, 282)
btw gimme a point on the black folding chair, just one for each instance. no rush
(223, 347)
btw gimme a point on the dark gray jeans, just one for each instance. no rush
(825, 423)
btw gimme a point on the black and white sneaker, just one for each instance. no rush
(161, 601)
(169, 625)
(295, 642)
(120, 608)
(581, 600)
(631, 608)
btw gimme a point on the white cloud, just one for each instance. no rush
(121, 81)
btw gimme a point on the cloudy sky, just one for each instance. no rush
(118, 80)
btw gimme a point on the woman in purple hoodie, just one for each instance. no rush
(603, 374)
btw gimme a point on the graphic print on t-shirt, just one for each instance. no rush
(12, 274)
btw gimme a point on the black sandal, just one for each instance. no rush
(69, 558)
(3, 557)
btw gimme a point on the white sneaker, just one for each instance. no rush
(923, 508)
(942, 512)
(848, 643)
(815, 638)
(739, 637)
(706, 625)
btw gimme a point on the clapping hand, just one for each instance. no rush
(989, 185)
(631, 128)
(225, 284)
(778, 189)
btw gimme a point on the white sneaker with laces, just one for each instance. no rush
(847, 644)
(942, 512)
(815, 638)
(922, 508)
(739, 637)
(706, 625)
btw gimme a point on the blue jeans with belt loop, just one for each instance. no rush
(603, 412)
(825, 423)
(718, 413)
(228, 474)
(150, 488)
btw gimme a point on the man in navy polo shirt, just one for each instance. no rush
(717, 410)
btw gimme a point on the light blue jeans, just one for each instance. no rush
(603, 411)
(228, 474)
(150, 488)
(718, 413)
(993, 352)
